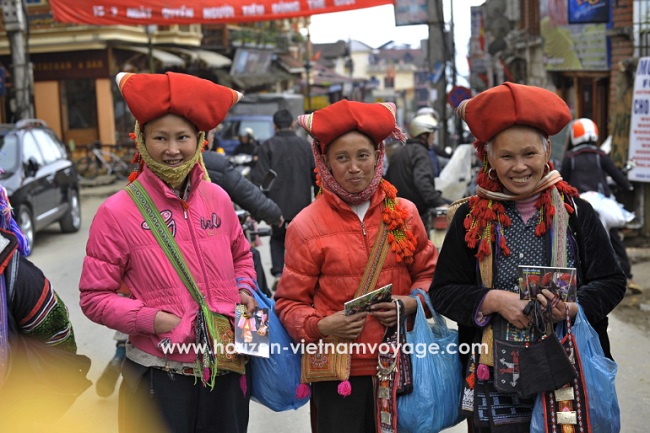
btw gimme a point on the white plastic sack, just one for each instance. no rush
(611, 213)
(457, 174)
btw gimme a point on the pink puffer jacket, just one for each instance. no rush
(327, 248)
(122, 249)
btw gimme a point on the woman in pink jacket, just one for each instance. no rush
(171, 383)
(328, 246)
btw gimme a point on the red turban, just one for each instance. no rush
(509, 104)
(202, 102)
(376, 120)
(533, 279)
(547, 279)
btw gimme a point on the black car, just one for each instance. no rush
(40, 179)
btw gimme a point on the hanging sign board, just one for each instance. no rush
(640, 124)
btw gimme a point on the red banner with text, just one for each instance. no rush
(165, 12)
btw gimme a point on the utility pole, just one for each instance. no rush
(437, 48)
(13, 13)
(458, 125)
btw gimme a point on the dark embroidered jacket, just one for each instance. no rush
(456, 291)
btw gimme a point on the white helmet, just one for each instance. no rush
(427, 110)
(424, 124)
(248, 132)
(583, 131)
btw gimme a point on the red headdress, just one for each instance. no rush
(377, 121)
(202, 102)
(547, 279)
(533, 279)
(150, 96)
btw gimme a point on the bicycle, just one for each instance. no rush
(98, 161)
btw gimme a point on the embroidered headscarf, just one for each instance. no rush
(150, 96)
(489, 113)
(377, 121)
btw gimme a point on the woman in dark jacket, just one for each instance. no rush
(524, 214)
(247, 196)
(243, 192)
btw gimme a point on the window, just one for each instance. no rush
(52, 152)
(31, 150)
(80, 103)
(8, 153)
(642, 28)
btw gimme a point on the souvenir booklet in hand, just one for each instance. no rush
(252, 331)
(532, 279)
(364, 302)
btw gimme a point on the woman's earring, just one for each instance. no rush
(489, 173)
(548, 168)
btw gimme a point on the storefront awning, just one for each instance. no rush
(165, 58)
(209, 58)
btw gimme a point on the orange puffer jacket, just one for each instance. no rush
(327, 248)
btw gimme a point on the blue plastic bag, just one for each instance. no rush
(274, 380)
(434, 403)
(599, 373)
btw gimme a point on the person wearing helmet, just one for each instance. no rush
(585, 166)
(411, 168)
(247, 143)
(422, 111)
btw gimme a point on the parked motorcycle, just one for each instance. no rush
(252, 231)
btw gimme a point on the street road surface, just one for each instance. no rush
(60, 257)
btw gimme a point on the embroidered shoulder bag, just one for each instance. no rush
(212, 329)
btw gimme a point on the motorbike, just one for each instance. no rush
(243, 162)
(436, 224)
(252, 231)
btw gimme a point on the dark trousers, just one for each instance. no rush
(619, 250)
(152, 401)
(352, 414)
(277, 249)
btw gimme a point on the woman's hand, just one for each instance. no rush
(340, 325)
(165, 322)
(386, 312)
(508, 305)
(558, 307)
(248, 300)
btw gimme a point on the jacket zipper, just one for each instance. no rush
(365, 238)
(197, 250)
